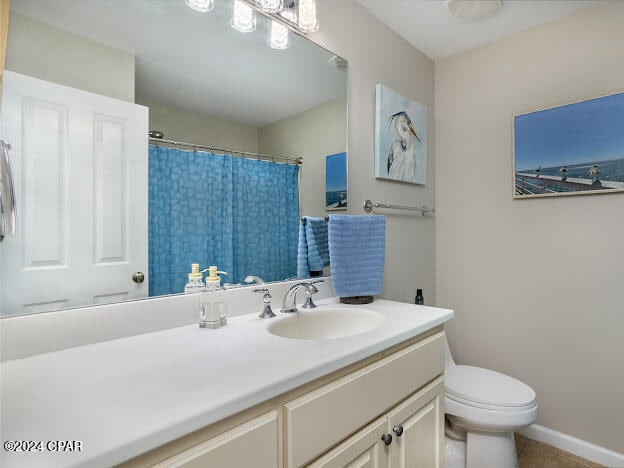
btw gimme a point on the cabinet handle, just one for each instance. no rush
(387, 439)
(398, 430)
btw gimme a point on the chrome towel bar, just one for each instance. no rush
(369, 205)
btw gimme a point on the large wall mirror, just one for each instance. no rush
(146, 136)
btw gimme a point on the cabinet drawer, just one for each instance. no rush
(249, 445)
(324, 417)
(363, 449)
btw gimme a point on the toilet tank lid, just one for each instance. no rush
(488, 387)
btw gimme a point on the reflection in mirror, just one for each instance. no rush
(241, 133)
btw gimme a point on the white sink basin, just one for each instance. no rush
(323, 324)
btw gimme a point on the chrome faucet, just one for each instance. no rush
(290, 298)
(252, 278)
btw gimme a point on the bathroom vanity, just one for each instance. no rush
(238, 396)
(360, 413)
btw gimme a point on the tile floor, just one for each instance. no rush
(533, 454)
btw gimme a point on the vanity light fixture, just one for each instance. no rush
(244, 19)
(272, 6)
(278, 37)
(308, 17)
(289, 14)
(203, 6)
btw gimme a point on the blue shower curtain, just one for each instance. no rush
(239, 214)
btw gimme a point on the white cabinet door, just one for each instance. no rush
(364, 449)
(250, 445)
(417, 427)
(80, 172)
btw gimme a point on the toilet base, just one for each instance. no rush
(475, 449)
(454, 453)
(490, 449)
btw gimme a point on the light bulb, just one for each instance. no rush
(244, 19)
(278, 38)
(290, 14)
(308, 19)
(272, 6)
(203, 6)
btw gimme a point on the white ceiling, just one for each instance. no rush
(197, 62)
(427, 25)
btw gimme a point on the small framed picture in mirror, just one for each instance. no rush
(336, 182)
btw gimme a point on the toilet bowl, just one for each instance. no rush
(483, 408)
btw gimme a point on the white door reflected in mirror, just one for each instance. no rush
(80, 169)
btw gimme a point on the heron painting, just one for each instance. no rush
(400, 138)
(571, 149)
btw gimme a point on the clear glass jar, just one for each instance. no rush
(211, 305)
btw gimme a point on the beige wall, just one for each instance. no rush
(536, 284)
(43, 51)
(190, 127)
(378, 55)
(311, 134)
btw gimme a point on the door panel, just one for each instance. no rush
(44, 159)
(421, 418)
(80, 171)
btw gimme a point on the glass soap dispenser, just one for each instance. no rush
(212, 301)
(195, 283)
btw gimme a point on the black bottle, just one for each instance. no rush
(419, 297)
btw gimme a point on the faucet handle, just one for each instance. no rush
(267, 312)
(309, 303)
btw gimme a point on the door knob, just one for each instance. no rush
(138, 277)
(386, 439)
(398, 430)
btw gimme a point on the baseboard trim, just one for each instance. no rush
(573, 445)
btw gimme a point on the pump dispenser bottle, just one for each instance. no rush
(212, 301)
(195, 283)
(419, 297)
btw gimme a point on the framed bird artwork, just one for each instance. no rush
(400, 137)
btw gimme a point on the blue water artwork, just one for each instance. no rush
(400, 137)
(336, 182)
(571, 149)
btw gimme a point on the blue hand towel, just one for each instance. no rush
(357, 247)
(318, 248)
(313, 251)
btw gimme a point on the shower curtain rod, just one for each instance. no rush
(244, 154)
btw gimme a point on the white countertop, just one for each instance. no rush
(127, 396)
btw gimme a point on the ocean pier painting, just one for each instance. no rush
(569, 150)
(336, 182)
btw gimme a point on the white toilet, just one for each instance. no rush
(483, 409)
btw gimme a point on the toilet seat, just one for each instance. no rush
(487, 389)
(485, 400)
